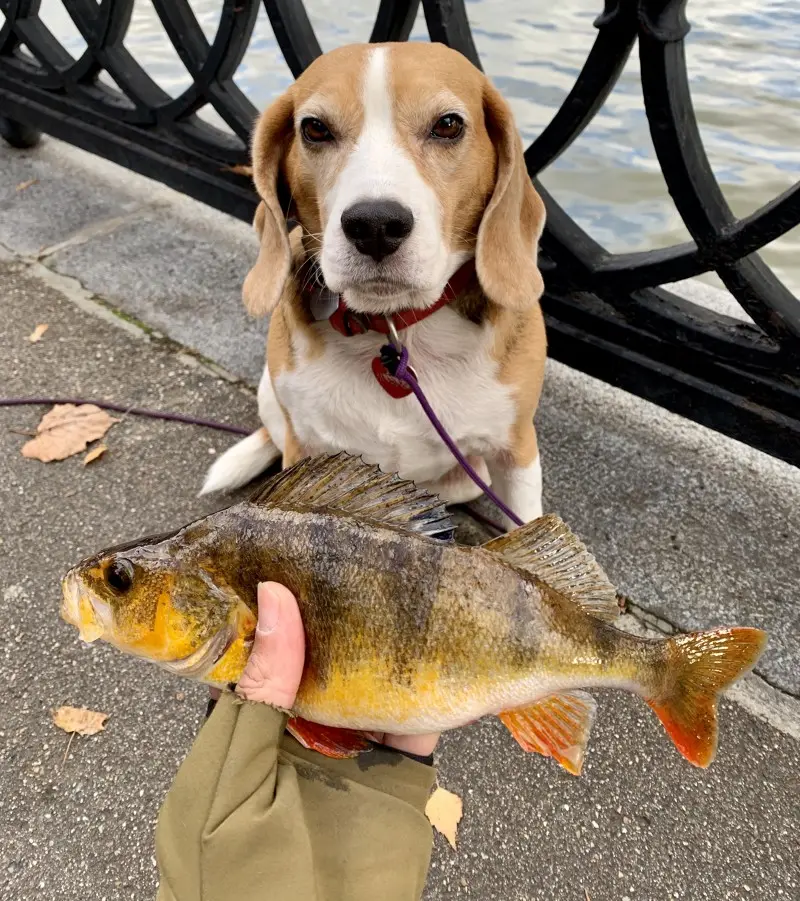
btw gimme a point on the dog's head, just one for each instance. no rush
(400, 161)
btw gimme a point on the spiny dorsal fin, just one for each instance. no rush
(547, 549)
(348, 485)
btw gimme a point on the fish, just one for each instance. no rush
(407, 631)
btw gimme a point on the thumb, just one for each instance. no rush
(271, 596)
(273, 671)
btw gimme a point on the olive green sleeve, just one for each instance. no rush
(253, 815)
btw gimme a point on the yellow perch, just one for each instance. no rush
(406, 631)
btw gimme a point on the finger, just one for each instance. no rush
(421, 745)
(278, 617)
(275, 666)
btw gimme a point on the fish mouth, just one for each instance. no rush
(90, 617)
(205, 658)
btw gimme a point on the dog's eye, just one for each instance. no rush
(448, 128)
(315, 131)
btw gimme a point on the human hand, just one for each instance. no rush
(275, 666)
(273, 671)
(421, 745)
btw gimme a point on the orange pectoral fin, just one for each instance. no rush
(558, 726)
(328, 740)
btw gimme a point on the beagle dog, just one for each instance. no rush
(404, 170)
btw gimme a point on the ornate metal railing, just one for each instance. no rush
(607, 314)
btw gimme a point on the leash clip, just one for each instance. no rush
(394, 336)
(384, 367)
(392, 360)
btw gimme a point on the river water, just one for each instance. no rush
(744, 65)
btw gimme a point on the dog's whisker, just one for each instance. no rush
(313, 273)
(309, 278)
(463, 233)
(300, 273)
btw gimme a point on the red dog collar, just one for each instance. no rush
(348, 322)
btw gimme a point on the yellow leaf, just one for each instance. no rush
(66, 430)
(444, 810)
(24, 185)
(80, 720)
(95, 453)
(238, 169)
(36, 335)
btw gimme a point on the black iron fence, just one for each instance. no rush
(607, 314)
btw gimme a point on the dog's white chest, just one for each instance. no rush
(335, 403)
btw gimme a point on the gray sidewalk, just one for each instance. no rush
(697, 530)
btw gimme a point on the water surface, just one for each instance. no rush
(744, 65)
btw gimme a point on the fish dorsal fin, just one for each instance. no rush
(348, 485)
(547, 549)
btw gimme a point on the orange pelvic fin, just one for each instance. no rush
(558, 726)
(328, 740)
(702, 664)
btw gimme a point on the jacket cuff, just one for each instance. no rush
(383, 769)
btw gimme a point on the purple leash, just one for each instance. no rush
(123, 408)
(396, 360)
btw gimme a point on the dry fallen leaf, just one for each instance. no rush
(444, 810)
(66, 430)
(95, 453)
(238, 169)
(24, 185)
(80, 720)
(36, 335)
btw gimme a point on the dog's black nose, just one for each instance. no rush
(377, 227)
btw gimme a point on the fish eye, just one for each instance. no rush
(315, 131)
(119, 575)
(448, 128)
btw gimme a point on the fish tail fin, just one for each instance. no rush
(241, 463)
(700, 665)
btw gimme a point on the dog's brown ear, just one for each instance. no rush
(272, 139)
(508, 236)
